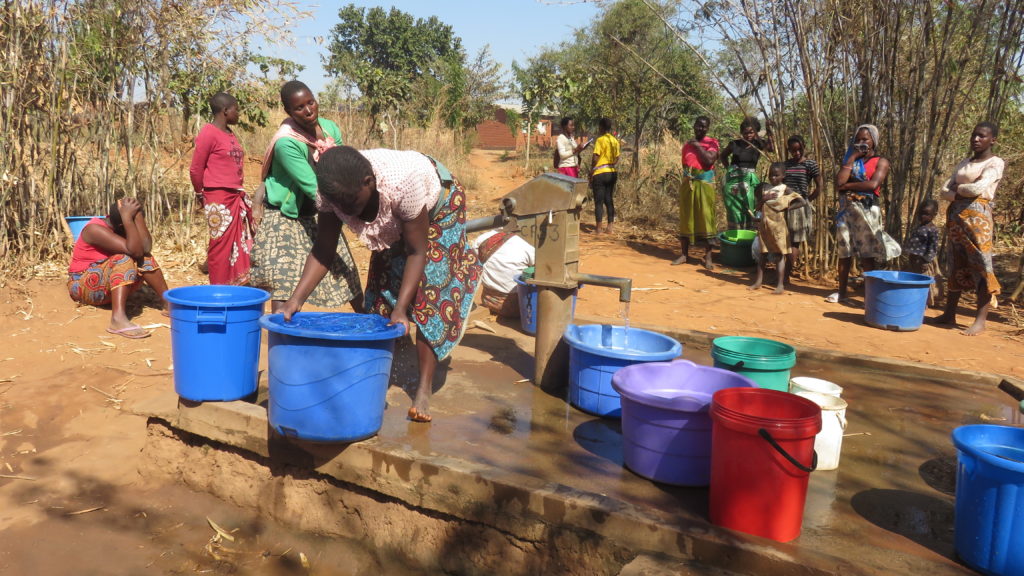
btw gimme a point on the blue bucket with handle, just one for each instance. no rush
(215, 340)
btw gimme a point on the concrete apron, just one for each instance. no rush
(511, 480)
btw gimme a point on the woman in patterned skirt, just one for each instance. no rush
(112, 259)
(411, 212)
(969, 227)
(217, 179)
(287, 215)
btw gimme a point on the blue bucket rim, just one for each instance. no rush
(275, 323)
(674, 351)
(977, 451)
(250, 296)
(77, 218)
(907, 278)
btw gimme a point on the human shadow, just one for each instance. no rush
(851, 317)
(502, 350)
(924, 519)
(654, 250)
(745, 277)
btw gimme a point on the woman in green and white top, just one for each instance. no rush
(288, 226)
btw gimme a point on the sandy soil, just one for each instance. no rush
(71, 499)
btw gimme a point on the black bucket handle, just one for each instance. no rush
(735, 366)
(814, 453)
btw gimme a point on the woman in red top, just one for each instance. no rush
(110, 260)
(217, 178)
(697, 222)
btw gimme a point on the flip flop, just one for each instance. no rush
(417, 416)
(132, 332)
(832, 298)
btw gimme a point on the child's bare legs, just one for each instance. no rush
(759, 278)
(792, 258)
(420, 410)
(684, 245)
(780, 287)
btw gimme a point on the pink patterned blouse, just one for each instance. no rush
(407, 183)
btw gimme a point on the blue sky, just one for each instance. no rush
(514, 29)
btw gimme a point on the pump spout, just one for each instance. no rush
(625, 285)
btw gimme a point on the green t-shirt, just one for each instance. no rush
(291, 182)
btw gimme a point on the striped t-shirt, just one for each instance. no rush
(800, 174)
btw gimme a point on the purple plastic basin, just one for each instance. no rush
(666, 429)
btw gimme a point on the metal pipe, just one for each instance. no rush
(624, 285)
(486, 223)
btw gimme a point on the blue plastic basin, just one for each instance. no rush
(597, 351)
(895, 300)
(215, 340)
(77, 223)
(328, 374)
(989, 525)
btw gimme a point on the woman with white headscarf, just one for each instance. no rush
(859, 229)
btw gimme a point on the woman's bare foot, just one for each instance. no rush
(708, 265)
(680, 260)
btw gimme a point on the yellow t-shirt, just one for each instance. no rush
(606, 154)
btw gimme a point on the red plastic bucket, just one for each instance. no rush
(762, 454)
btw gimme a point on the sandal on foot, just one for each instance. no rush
(417, 416)
(132, 332)
(834, 298)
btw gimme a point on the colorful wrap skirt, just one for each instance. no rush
(738, 198)
(95, 285)
(859, 233)
(445, 294)
(697, 205)
(282, 245)
(969, 235)
(228, 218)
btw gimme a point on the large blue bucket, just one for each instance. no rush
(989, 526)
(597, 351)
(77, 223)
(328, 374)
(895, 300)
(215, 340)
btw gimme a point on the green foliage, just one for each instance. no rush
(390, 56)
(626, 65)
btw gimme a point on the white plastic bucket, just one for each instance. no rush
(816, 385)
(829, 442)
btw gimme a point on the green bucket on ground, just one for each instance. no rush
(735, 247)
(766, 362)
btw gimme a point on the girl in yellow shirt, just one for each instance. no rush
(603, 175)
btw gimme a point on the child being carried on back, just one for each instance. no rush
(774, 198)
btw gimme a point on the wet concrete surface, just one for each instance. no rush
(888, 509)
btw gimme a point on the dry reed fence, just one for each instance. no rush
(97, 98)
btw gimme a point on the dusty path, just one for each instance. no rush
(72, 502)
